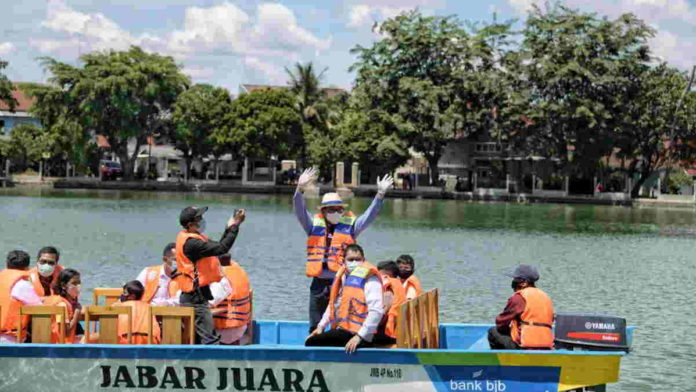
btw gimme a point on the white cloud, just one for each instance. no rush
(272, 73)
(362, 14)
(277, 27)
(6, 48)
(667, 46)
(196, 72)
(359, 15)
(220, 26)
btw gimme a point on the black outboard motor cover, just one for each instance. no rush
(590, 332)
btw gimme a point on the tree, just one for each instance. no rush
(197, 113)
(577, 69)
(260, 124)
(122, 95)
(645, 137)
(416, 75)
(6, 89)
(29, 143)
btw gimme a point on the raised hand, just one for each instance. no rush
(237, 218)
(307, 177)
(384, 184)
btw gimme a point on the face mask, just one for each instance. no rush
(46, 270)
(201, 226)
(352, 264)
(334, 217)
(74, 291)
(403, 274)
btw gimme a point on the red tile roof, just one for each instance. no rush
(102, 142)
(24, 101)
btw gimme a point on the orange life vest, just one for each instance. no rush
(317, 248)
(207, 268)
(393, 285)
(38, 287)
(57, 300)
(412, 281)
(10, 306)
(236, 308)
(352, 310)
(138, 324)
(534, 328)
(152, 284)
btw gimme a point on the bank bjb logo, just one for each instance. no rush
(476, 384)
(222, 379)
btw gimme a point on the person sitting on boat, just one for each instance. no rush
(394, 297)
(328, 232)
(198, 266)
(231, 301)
(526, 322)
(45, 274)
(132, 296)
(356, 306)
(160, 288)
(66, 291)
(15, 290)
(411, 283)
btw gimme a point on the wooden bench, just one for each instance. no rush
(41, 320)
(110, 295)
(107, 316)
(418, 322)
(177, 324)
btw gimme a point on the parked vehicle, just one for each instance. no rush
(110, 170)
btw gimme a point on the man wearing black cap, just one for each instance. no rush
(198, 266)
(526, 322)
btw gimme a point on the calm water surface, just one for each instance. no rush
(637, 263)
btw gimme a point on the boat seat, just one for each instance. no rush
(107, 316)
(177, 324)
(418, 322)
(41, 320)
(110, 295)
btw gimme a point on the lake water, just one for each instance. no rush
(636, 263)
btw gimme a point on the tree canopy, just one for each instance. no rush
(6, 88)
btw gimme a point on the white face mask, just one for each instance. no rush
(46, 270)
(334, 217)
(201, 226)
(352, 264)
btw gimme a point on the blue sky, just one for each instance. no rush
(227, 43)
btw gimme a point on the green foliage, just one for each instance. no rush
(6, 88)
(197, 113)
(576, 70)
(260, 124)
(29, 143)
(678, 179)
(120, 95)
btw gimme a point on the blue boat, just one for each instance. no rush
(278, 361)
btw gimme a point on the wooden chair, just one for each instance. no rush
(418, 323)
(107, 316)
(42, 318)
(172, 319)
(110, 295)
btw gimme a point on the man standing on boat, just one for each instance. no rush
(526, 322)
(329, 231)
(198, 266)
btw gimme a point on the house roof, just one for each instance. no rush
(103, 142)
(23, 100)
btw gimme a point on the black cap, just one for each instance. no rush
(525, 272)
(190, 214)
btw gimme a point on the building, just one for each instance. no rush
(9, 119)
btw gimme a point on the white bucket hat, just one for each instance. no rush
(332, 199)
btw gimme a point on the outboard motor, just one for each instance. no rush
(590, 332)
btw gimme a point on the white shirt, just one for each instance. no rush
(375, 309)
(161, 297)
(22, 291)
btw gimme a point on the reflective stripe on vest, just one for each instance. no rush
(207, 269)
(57, 300)
(319, 251)
(536, 320)
(36, 282)
(10, 306)
(352, 310)
(236, 308)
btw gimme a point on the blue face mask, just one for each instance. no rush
(201, 226)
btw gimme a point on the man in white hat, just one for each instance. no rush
(328, 233)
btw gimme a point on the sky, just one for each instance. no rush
(228, 43)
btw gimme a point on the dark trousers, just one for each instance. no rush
(340, 337)
(203, 318)
(499, 341)
(319, 292)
